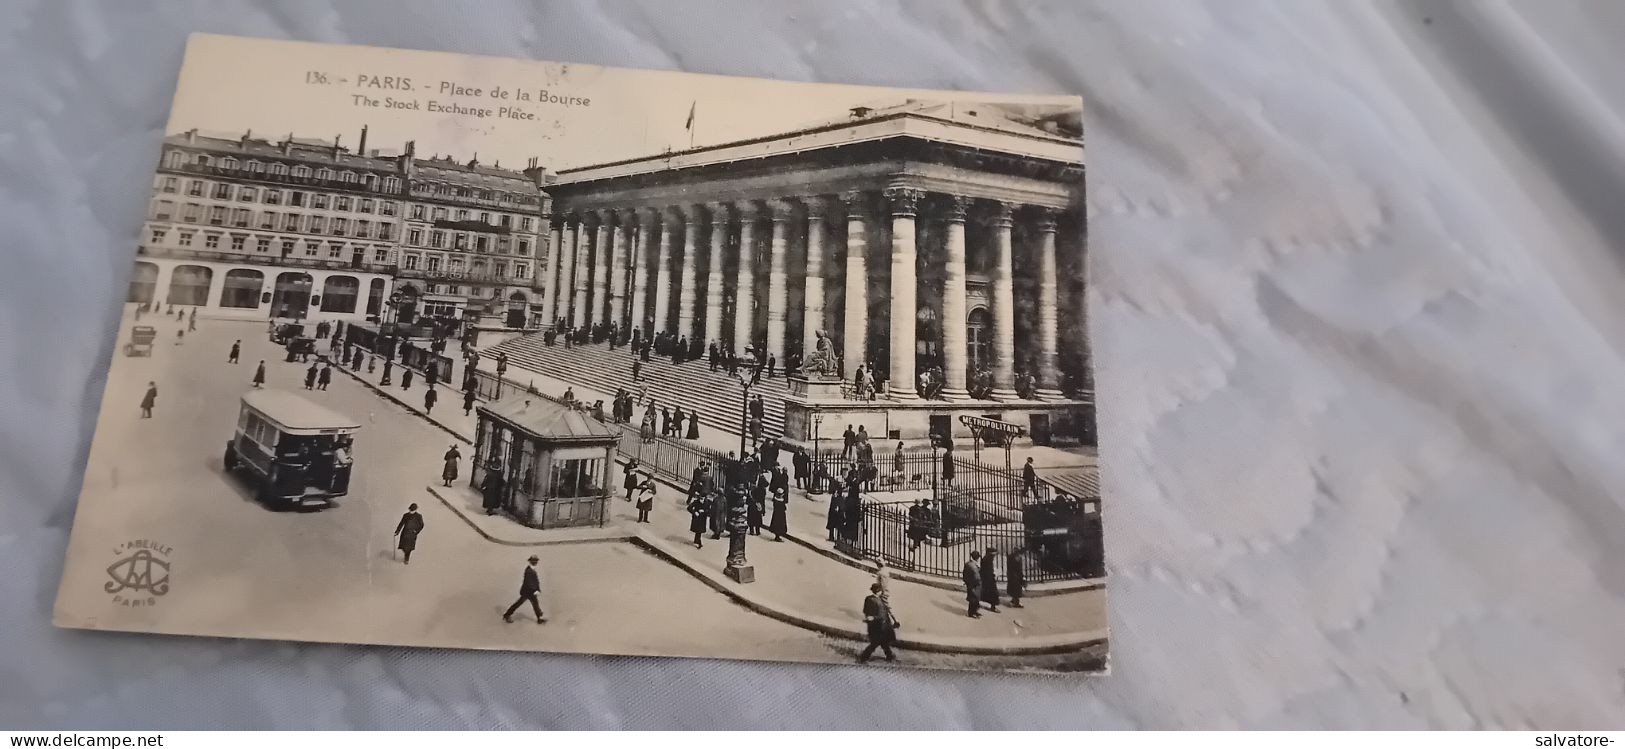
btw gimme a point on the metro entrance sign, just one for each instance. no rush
(980, 426)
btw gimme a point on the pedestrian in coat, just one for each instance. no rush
(407, 532)
(718, 514)
(677, 419)
(310, 378)
(698, 510)
(631, 482)
(324, 377)
(646, 499)
(665, 422)
(1029, 480)
(990, 581)
(754, 509)
(259, 374)
(919, 515)
(852, 514)
(448, 473)
(647, 430)
(468, 402)
(880, 623)
(149, 400)
(693, 425)
(406, 378)
(779, 524)
(883, 578)
(803, 468)
(948, 467)
(972, 575)
(780, 482)
(491, 490)
(836, 507)
(1015, 577)
(191, 321)
(429, 398)
(849, 442)
(389, 368)
(236, 350)
(529, 588)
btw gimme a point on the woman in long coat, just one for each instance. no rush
(492, 489)
(647, 431)
(1015, 577)
(694, 425)
(779, 525)
(449, 473)
(630, 483)
(755, 508)
(259, 374)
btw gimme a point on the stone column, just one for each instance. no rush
(620, 238)
(640, 274)
(713, 289)
(583, 271)
(812, 313)
(550, 282)
(1003, 292)
(689, 292)
(855, 335)
(668, 223)
(778, 279)
(600, 267)
(745, 294)
(1049, 309)
(567, 271)
(903, 203)
(955, 346)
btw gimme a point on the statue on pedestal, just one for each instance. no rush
(822, 362)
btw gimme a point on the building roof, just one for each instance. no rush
(1051, 133)
(545, 418)
(292, 412)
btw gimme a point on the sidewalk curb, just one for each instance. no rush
(614, 535)
(980, 646)
(1039, 590)
(403, 404)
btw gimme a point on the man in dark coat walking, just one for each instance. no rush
(259, 374)
(528, 590)
(149, 400)
(406, 378)
(881, 624)
(389, 368)
(310, 378)
(491, 490)
(1029, 480)
(236, 350)
(407, 531)
(468, 402)
(972, 575)
(990, 581)
(698, 510)
(1015, 577)
(837, 506)
(324, 377)
(429, 398)
(849, 442)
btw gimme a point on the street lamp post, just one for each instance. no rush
(818, 421)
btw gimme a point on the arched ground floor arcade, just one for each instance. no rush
(258, 292)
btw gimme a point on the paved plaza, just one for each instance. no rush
(335, 571)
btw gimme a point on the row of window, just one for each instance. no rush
(460, 240)
(441, 213)
(273, 196)
(434, 264)
(244, 288)
(448, 190)
(177, 159)
(219, 215)
(265, 245)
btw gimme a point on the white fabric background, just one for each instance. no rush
(1357, 308)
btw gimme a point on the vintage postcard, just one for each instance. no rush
(439, 350)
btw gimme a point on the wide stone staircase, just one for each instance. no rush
(718, 397)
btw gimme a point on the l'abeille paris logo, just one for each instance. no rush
(140, 575)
